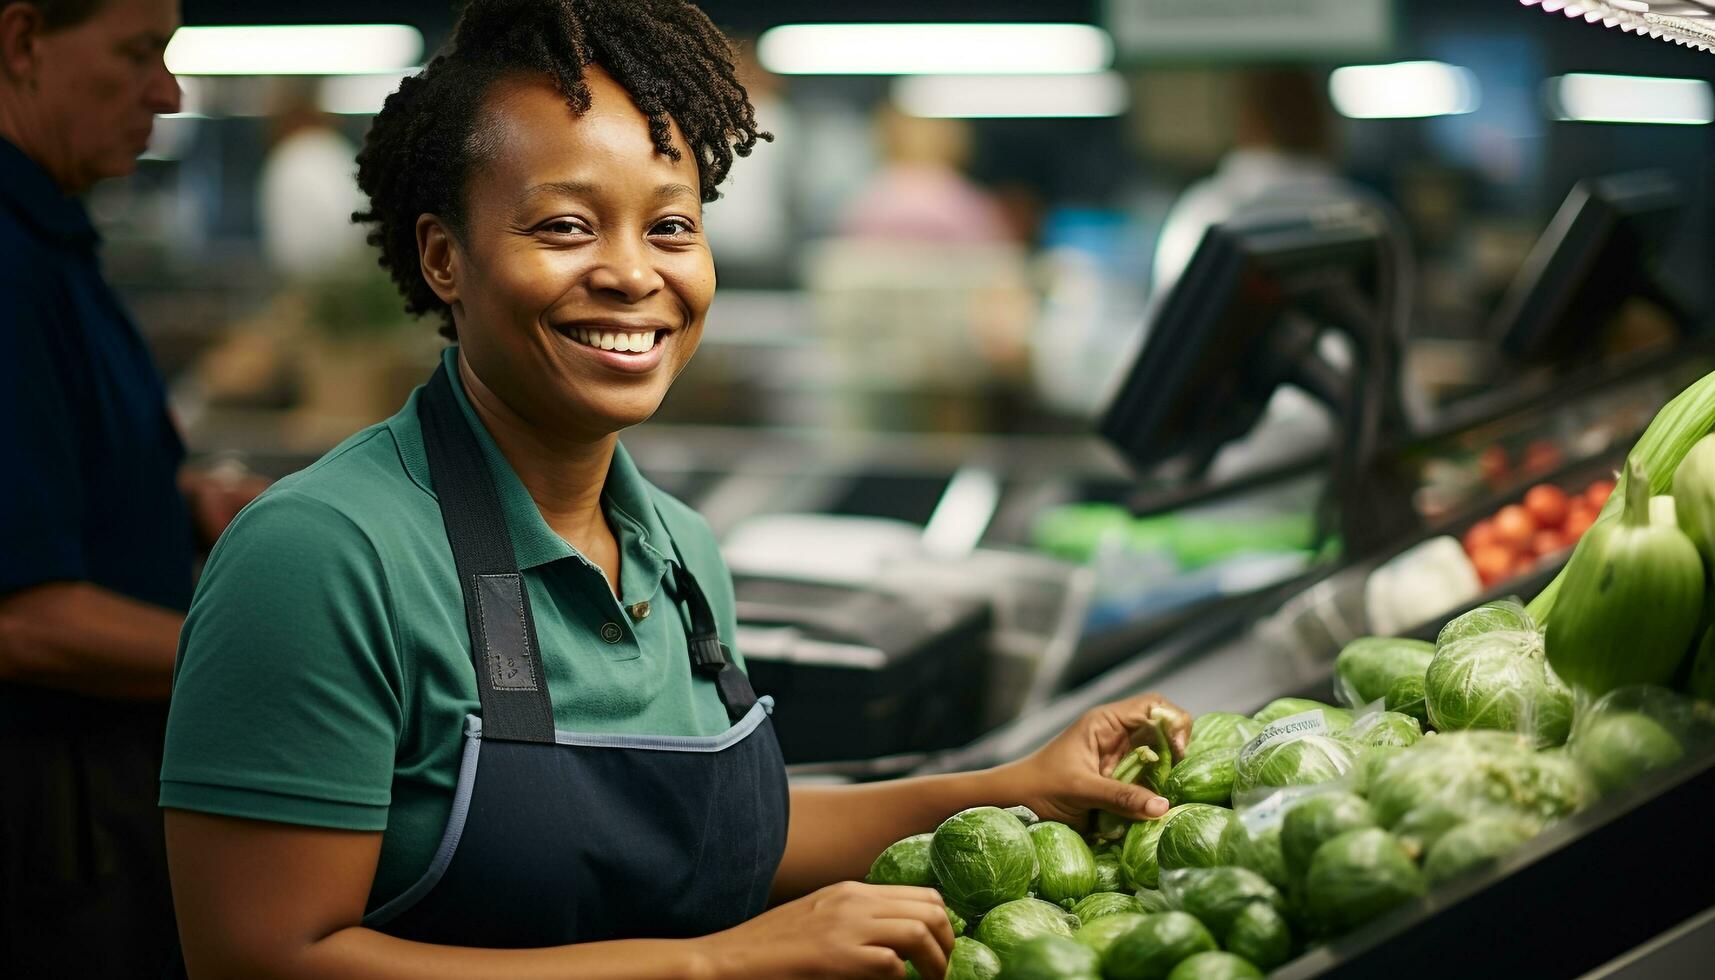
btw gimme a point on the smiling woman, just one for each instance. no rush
(458, 699)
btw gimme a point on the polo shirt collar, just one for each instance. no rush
(643, 541)
(28, 191)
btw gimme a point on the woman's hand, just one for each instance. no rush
(1067, 778)
(848, 930)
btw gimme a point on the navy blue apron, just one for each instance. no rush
(557, 837)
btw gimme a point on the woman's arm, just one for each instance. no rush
(260, 899)
(837, 831)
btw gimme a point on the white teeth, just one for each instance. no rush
(635, 343)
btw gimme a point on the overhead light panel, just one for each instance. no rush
(360, 95)
(1588, 97)
(1403, 90)
(1011, 96)
(935, 49)
(311, 49)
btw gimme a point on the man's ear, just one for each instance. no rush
(438, 256)
(20, 41)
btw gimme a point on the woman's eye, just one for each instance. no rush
(561, 226)
(673, 228)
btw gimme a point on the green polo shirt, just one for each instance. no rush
(324, 671)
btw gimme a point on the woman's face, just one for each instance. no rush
(581, 279)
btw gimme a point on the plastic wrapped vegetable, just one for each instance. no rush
(1138, 858)
(1358, 876)
(1101, 934)
(1383, 729)
(1052, 958)
(1153, 900)
(1497, 680)
(1220, 730)
(905, 862)
(1631, 602)
(1067, 868)
(1103, 904)
(1368, 666)
(1216, 896)
(1474, 845)
(1214, 965)
(1500, 616)
(1008, 926)
(1406, 697)
(970, 960)
(1317, 820)
(1279, 708)
(1443, 781)
(1253, 844)
(1261, 935)
(1191, 837)
(1633, 731)
(982, 857)
(1206, 777)
(1160, 943)
(1306, 760)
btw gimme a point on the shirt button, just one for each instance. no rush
(640, 610)
(612, 633)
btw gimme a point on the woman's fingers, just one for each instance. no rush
(915, 940)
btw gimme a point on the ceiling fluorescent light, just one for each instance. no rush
(1010, 96)
(1404, 90)
(935, 49)
(318, 49)
(360, 95)
(1584, 97)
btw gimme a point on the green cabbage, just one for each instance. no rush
(905, 862)
(1153, 900)
(1101, 934)
(1137, 856)
(1214, 965)
(1317, 820)
(1458, 775)
(1103, 904)
(1220, 730)
(1358, 876)
(971, 960)
(1616, 748)
(1337, 718)
(1368, 666)
(1191, 838)
(1009, 925)
(1216, 896)
(1068, 869)
(1206, 777)
(1473, 846)
(1109, 878)
(1498, 681)
(1053, 958)
(1258, 850)
(1384, 729)
(1152, 949)
(982, 857)
(1406, 696)
(1500, 616)
(1260, 934)
(1302, 761)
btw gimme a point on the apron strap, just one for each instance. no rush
(510, 681)
(709, 656)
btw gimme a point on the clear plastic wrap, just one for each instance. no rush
(1497, 680)
(1633, 731)
(1294, 751)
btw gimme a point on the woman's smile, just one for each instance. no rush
(632, 349)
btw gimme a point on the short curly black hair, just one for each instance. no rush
(426, 140)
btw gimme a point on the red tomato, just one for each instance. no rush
(1493, 464)
(1547, 504)
(1599, 492)
(1493, 563)
(1546, 542)
(1481, 533)
(1542, 456)
(1578, 520)
(1514, 526)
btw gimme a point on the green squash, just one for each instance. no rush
(1368, 666)
(1260, 933)
(1052, 958)
(1206, 777)
(1214, 965)
(1357, 876)
(905, 862)
(1152, 949)
(1008, 926)
(1316, 821)
(1068, 869)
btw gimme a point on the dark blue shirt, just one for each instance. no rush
(88, 454)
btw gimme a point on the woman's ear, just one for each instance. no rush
(438, 256)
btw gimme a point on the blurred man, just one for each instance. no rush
(98, 530)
